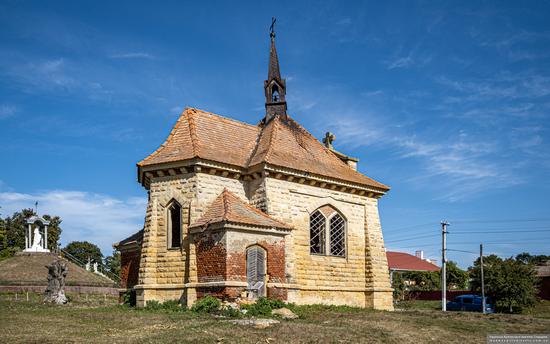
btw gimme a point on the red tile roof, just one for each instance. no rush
(227, 207)
(405, 261)
(281, 142)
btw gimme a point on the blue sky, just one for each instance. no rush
(446, 102)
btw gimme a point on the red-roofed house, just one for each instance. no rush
(400, 261)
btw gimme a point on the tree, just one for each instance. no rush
(511, 282)
(16, 225)
(3, 238)
(112, 263)
(83, 250)
(527, 258)
(456, 277)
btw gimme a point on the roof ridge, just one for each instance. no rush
(226, 204)
(273, 132)
(251, 207)
(170, 136)
(193, 131)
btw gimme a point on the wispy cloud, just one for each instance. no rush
(7, 110)
(98, 218)
(413, 58)
(133, 55)
(401, 62)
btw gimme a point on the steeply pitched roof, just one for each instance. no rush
(227, 207)
(281, 142)
(405, 261)
(200, 134)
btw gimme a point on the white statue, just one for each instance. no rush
(37, 239)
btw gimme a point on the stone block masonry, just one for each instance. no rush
(360, 278)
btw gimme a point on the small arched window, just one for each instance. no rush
(174, 225)
(324, 223)
(275, 94)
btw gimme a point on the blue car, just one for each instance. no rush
(471, 303)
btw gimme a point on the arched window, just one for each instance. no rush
(174, 225)
(275, 93)
(324, 223)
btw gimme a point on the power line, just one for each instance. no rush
(500, 231)
(501, 220)
(417, 237)
(499, 228)
(412, 226)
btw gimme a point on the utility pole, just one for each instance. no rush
(482, 279)
(444, 225)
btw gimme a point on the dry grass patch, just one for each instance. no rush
(23, 322)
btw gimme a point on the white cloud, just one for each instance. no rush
(401, 62)
(97, 218)
(7, 110)
(136, 55)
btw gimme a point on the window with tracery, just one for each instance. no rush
(327, 232)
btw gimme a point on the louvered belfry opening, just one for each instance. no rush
(327, 232)
(256, 270)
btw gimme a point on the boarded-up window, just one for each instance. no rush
(174, 225)
(256, 270)
(317, 224)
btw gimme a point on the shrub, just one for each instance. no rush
(170, 306)
(153, 305)
(263, 306)
(207, 304)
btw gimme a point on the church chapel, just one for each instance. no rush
(237, 210)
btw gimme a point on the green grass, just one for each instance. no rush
(91, 321)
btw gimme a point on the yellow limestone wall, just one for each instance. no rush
(359, 279)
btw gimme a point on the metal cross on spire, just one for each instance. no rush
(272, 27)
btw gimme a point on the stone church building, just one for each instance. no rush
(240, 211)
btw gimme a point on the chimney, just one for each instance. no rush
(419, 254)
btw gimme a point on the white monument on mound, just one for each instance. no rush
(37, 240)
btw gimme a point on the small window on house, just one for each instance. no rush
(174, 225)
(326, 223)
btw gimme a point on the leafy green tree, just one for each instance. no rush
(527, 258)
(456, 277)
(511, 282)
(112, 263)
(16, 225)
(83, 250)
(3, 237)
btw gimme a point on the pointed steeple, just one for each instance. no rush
(274, 86)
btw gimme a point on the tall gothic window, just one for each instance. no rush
(324, 223)
(174, 224)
